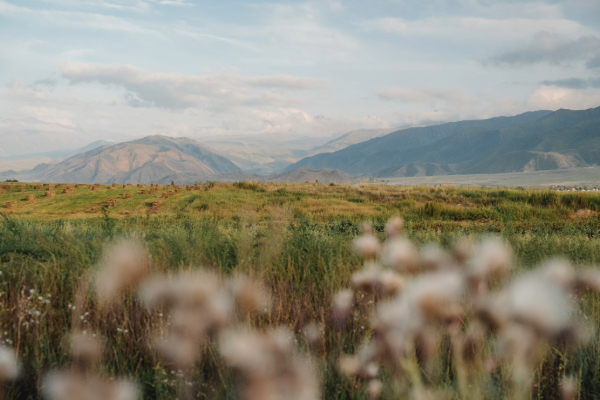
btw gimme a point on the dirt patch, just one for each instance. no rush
(584, 213)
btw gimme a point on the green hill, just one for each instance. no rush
(541, 140)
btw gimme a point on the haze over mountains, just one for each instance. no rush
(540, 140)
(140, 161)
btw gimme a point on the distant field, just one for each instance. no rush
(574, 177)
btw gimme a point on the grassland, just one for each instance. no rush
(572, 177)
(296, 238)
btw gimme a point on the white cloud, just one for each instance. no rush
(77, 19)
(19, 90)
(474, 29)
(175, 3)
(429, 95)
(553, 49)
(553, 97)
(218, 92)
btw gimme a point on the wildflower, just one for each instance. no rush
(86, 351)
(394, 227)
(342, 304)
(560, 272)
(437, 295)
(375, 387)
(401, 255)
(374, 279)
(588, 279)
(434, 258)
(568, 389)
(9, 368)
(125, 264)
(491, 261)
(539, 303)
(366, 246)
(270, 367)
(182, 352)
(462, 251)
(313, 336)
(249, 296)
(68, 385)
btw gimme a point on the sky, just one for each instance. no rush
(76, 71)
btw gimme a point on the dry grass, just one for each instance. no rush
(294, 242)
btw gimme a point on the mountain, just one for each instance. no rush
(262, 153)
(145, 160)
(28, 165)
(57, 154)
(350, 138)
(91, 146)
(302, 175)
(531, 141)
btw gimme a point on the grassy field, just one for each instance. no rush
(572, 177)
(293, 238)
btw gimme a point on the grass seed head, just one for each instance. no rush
(394, 227)
(124, 266)
(9, 367)
(540, 303)
(491, 261)
(400, 254)
(86, 351)
(181, 352)
(366, 246)
(375, 388)
(249, 296)
(68, 385)
(342, 305)
(568, 389)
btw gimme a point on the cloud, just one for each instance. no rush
(574, 83)
(175, 3)
(77, 19)
(18, 90)
(173, 91)
(551, 48)
(553, 97)
(473, 28)
(423, 95)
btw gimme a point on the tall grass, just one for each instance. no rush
(296, 239)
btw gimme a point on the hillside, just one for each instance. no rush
(531, 141)
(301, 175)
(139, 161)
(350, 138)
(22, 164)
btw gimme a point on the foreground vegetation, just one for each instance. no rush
(294, 238)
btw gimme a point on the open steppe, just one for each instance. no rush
(296, 240)
(569, 178)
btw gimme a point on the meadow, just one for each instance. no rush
(295, 240)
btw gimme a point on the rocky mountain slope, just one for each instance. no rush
(145, 160)
(532, 141)
(350, 138)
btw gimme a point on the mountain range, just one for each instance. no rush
(532, 141)
(540, 140)
(144, 160)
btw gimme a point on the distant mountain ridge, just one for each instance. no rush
(526, 142)
(143, 160)
(301, 175)
(350, 138)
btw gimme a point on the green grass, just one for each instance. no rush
(572, 177)
(295, 237)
